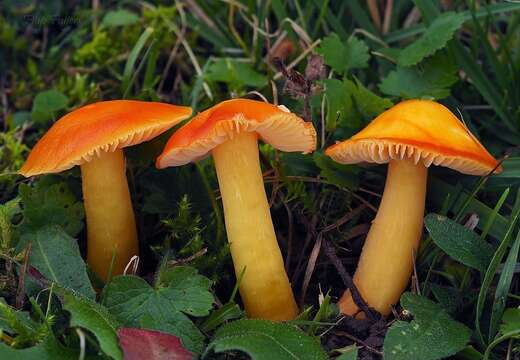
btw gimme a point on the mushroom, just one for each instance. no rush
(410, 137)
(93, 136)
(230, 131)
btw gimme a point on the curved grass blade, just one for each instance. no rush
(492, 268)
(129, 73)
(504, 283)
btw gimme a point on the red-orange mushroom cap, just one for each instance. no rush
(275, 125)
(105, 126)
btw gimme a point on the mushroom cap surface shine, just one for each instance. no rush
(105, 126)
(275, 125)
(422, 130)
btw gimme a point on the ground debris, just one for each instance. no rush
(366, 334)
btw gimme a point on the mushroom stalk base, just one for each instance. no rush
(265, 288)
(386, 261)
(111, 229)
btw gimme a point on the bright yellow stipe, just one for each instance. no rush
(385, 264)
(265, 288)
(111, 228)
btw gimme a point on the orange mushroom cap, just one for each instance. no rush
(100, 127)
(275, 125)
(423, 130)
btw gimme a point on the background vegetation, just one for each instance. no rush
(58, 55)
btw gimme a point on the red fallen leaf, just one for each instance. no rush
(139, 344)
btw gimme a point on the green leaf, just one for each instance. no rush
(95, 318)
(177, 292)
(431, 335)
(335, 173)
(8, 211)
(510, 329)
(343, 56)
(51, 205)
(481, 13)
(266, 340)
(348, 353)
(20, 118)
(431, 79)
(368, 103)
(448, 297)
(120, 17)
(510, 321)
(236, 74)
(440, 31)
(56, 255)
(339, 103)
(46, 103)
(229, 311)
(49, 349)
(460, 243)
(349, 102)
(19, 324)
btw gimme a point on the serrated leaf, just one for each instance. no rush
(178, 291)
(266, 340)
(138, 344)
(120, 17)
(56, 255)
(46, 104)
(236, 74)
(460, 243)
(432, 334)
(431, 79)
(510, 321)
(349, 102)
(51, 204)
(49, 349)
(19, 324)
(95, 318)
(438, 33)
(343, 56)
(368, 103)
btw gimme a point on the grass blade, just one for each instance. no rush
(492, 268)
(492, 9)
(128, 74)
(492, 217)
(504, 283)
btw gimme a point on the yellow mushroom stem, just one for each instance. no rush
(111, 229)
(265, 288)
(386, 261)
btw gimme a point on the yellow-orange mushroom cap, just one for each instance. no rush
(410, 137)
(105, 126)
(275, 125)
(422, 130)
